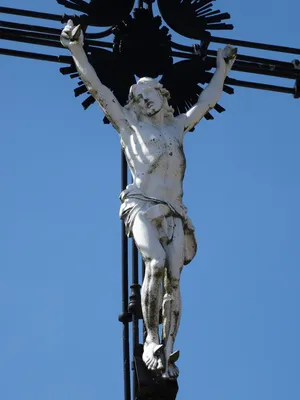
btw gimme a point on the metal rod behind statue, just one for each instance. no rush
(125, 316)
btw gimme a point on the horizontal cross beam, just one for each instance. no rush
(55, 31)
(189, 50)
(68, 60)
(43, 39)
(241, 43)
(261, 66)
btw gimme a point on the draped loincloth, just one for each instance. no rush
(160, 212)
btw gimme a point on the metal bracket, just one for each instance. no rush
(201, 49)
(296, 64)
(134, 306)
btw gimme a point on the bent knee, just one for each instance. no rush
(157, 266)
(171, 284)
(174, 282)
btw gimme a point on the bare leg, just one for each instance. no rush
(172, 297)
(146, 238)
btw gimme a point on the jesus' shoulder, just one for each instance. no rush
(125, 121)
(110, 105)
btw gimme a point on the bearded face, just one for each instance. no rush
(149, 100)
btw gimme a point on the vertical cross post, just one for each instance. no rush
(125, 316)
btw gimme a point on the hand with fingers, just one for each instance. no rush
(71, 35)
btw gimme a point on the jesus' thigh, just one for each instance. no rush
(146, 237)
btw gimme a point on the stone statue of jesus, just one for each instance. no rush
(152, 207)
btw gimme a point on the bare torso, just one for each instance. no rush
(156, 159)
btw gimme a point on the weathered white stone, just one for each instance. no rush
(152, 207)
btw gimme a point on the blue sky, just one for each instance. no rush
(60, 287)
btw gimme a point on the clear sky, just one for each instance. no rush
(60, 275)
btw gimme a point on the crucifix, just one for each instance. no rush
(151, 116)
(152, 206)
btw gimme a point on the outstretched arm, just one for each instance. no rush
(212, 93)
(72, 38)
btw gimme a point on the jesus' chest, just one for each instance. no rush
(150, 142)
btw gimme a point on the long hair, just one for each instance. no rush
(132, 98)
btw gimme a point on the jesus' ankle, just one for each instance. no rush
(152, 339)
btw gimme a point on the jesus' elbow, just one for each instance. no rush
(211, 104)
(93, 92)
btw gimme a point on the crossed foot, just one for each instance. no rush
(171, 371)
(153, 358)
(152, 355)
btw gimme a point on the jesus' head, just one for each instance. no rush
(148, 97)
